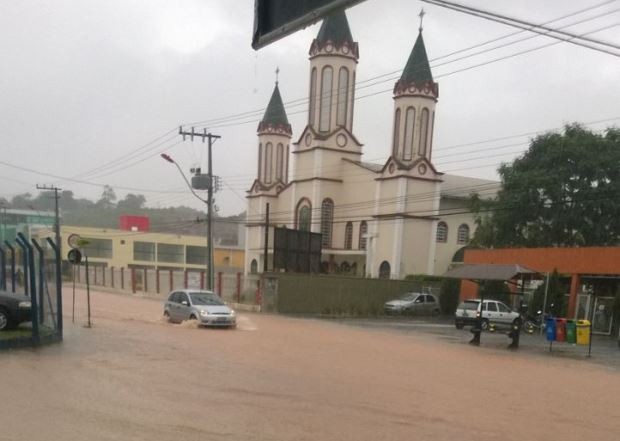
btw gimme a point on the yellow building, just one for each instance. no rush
(132, 249)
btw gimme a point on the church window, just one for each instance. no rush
(327, 219)
(348, 236)
(260, 160)
(343, 96)
(463, 234)
(350, 126)
(268, 161)
(303, 215)
(442, 232)
(312, 108)
(326, 99)
(279, 161)
(384, 270)
(396, 133)
(430, 145)
(363, 232)
(254, 267)
(408, 141)
(423, 132)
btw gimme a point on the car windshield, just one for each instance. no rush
(470, 306)
(408, 297)
(203, 298)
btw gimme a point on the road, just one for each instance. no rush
(133, 376)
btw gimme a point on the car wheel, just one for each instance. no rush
(167, 316)
(459, 325)
(484, 325)
(5, 319)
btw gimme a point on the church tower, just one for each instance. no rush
(274, 133)
(415, 96)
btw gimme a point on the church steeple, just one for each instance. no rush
(274, 133)
(415, 97)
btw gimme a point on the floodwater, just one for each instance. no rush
(132, 376)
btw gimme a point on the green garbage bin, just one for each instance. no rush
(571, 331)
(583, 332)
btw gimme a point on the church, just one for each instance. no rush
(376, 220)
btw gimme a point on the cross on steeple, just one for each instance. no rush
(421, 15)
(277, 73)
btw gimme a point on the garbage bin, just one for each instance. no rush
(583, 332)
(560, 329)
(550, 328)
(571, 331)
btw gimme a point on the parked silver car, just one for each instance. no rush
(413, 303)
(204, 306)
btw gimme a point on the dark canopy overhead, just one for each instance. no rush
(488, 271)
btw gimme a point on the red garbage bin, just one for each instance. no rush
(560, 329)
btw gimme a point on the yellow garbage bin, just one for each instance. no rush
(583, 332)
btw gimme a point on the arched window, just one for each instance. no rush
(442, 232)
(423, 132)
(430, 145)
(363, 231)
(279, 161)
(327, 218)
(396, 133)
(408, 141)
(463, 234)
(384, 270)
(348, 236)
(254, 266)
(326, 99)
(260, 160)
(312, 109)
(268, 161)
(343, 96)
(303, 212)
(352, 103)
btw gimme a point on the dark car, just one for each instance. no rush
(14, 309)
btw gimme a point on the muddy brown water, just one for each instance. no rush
(132, 376)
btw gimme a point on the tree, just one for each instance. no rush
(107, 197)
(22, 201)
(562, 192)
(132, 202)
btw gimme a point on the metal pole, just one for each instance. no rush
(56, 248)
(10, 247)
(73, 307)
(544, 304)
(87, 290)
(266, 250)
(211, 273)
(41, 280)
(28, 251)
(3, 268)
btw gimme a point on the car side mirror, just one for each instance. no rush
(185, 302)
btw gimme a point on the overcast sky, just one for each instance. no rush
(84, 83)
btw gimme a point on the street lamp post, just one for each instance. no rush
(209, 203)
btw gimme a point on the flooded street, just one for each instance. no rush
(132, 376)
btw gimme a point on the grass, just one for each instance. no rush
(15, 333)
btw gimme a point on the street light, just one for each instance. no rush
(208, 202)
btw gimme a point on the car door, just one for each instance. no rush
(184, 306)
(492, 314)
(431, 304)
(418, 305)
(504, 313)
(174, 305)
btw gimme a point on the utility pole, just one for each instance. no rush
(266, 249)
(204, 135)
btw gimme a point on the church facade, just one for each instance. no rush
(377, 220)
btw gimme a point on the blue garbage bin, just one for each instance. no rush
(550, 330)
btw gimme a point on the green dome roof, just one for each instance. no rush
(335, 28)
(417, 69)
(275, 113)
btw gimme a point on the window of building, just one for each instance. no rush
(101, 248)
(408, 141)
(396, 133)
(348, 236)
(170, 253)
(144, 251)
(254, 266)
(279, 161)
(423, 132)
(268, 161)
(384, 270)
(195, 255)
(326, 99)
(442, 232)
(362, 238)
(312, 108)
(343, 96)
(304, 217)
(327, 218)
(463, 234)
(430, 144)
(260, 160)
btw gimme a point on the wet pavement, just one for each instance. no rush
(132, 376)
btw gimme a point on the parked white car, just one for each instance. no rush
(493, 311)
(413, 303)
